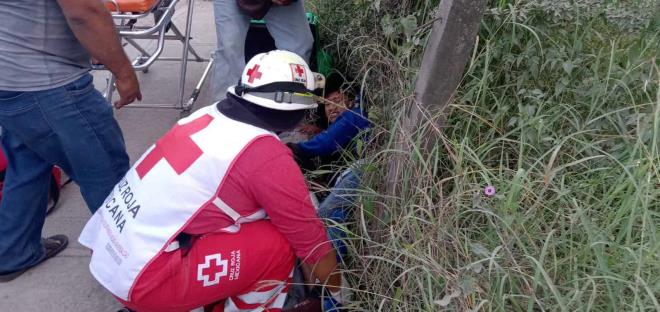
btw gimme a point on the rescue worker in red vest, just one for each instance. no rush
(216, 212)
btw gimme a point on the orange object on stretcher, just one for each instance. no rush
(132, 6)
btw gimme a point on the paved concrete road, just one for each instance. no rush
(64, 282)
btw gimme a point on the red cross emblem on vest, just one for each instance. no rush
(254, 73)
(215, 272)
(298, 73)
(176, 147)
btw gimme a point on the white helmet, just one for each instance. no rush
(278, 80)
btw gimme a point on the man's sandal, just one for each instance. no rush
(53, 245)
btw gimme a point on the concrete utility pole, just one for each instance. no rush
(445, 56)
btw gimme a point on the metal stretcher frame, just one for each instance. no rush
(162, 11)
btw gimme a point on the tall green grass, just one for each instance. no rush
(559, 110)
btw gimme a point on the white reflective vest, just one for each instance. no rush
(177, 177)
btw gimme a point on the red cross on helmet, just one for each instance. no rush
(279, 80)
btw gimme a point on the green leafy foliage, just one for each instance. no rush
(559, 110)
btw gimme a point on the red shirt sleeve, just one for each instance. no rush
(278, 186)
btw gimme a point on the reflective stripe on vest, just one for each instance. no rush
(226, 209)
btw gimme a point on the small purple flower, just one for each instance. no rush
(489, 191)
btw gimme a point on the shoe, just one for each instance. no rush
(53, 245)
